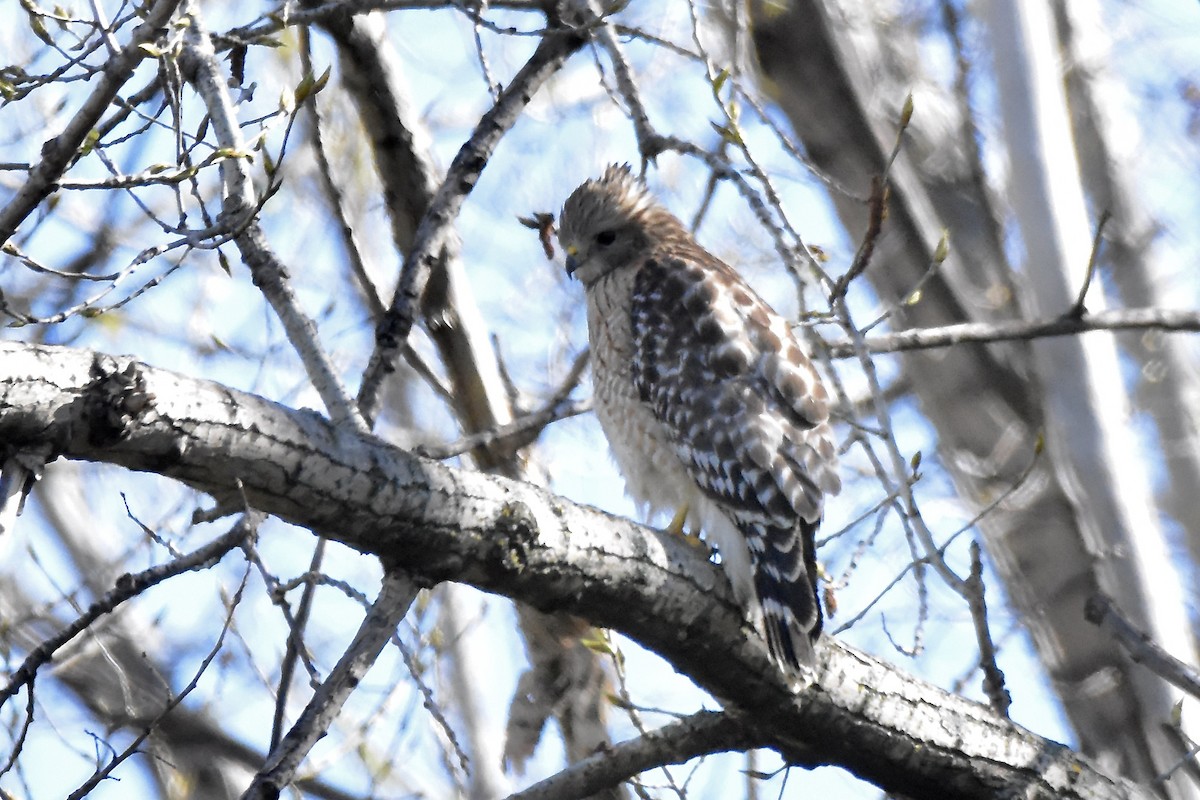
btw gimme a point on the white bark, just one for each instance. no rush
(905, 735)
(1110, 140)
(1087, 410)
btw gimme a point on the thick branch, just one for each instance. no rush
(518, 540)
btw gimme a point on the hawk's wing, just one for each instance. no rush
(748, 416)
(743, 404)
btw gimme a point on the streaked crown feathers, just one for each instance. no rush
(617, 192)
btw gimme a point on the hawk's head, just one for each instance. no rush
(604, 223)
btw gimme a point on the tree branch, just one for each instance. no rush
(198, 63)
(59, 153)
(128, 586)
(1141, 648)
(373, 634)
(437, 224)
(503, 536)
(1161, 319)
(701, 734)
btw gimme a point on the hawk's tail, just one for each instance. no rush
(785, 579)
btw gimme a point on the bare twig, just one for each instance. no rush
(603, 640)
(199, 65)
(524, 429)
(277, 591)
(876, 205)
(1141, 648)
(373, 634)
(1078, 309)
(129, 586)
(993, 678)
(23, 734)
(911, 516)
(59, 153)
(1162, 319)
(334, 196)
(136, 745)
(650, 144)
(295, 642)
(782, 235)
(323, 12)
(437, 224)
(914, 294)
(968, 525)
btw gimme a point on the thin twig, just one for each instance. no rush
(295, 642)
(199, 65)
(968, 525)
(437, 224)
(1162, 319)
(336, 199)
(23, 734)
(876, 206)
(61, 151)
(650, 144)
(136, 745)
(993, 677)
(323, 12)
(373, 634)
(526, 427)
(940, 252)
(128, 586)
(1078, 309)
(631, 708)
(911, 515)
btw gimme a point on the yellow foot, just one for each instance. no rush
(676, 529)
(677, 521)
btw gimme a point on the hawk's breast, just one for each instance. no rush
(655, 477)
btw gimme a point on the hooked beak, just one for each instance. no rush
(572, 261)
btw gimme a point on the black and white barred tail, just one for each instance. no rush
(785, 580)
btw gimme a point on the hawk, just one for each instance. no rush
(710, 405)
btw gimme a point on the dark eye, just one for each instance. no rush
(605, 238)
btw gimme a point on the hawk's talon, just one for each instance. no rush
(678, 521)
(675, 528)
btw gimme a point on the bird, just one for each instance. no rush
(711, 405)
